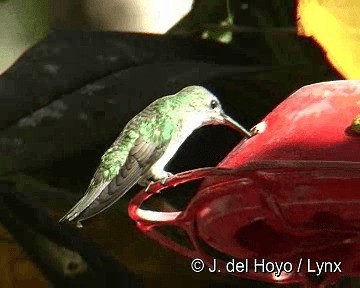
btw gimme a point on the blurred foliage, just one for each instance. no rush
(23, 23)
(222, 35)
(202, 12)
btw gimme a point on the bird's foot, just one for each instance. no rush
(148, 186)
(79, 225)
(162, 178)
(146, 181)
(166, 178)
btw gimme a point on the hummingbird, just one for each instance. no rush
(145, 146)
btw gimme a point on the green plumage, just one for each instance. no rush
(145, 146)
(151, 124)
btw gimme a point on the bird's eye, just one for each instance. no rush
(214, 104)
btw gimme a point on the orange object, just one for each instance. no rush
(335, 26)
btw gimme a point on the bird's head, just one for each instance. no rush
(204, 108)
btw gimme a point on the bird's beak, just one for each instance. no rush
(233, 124)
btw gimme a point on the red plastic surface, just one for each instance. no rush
(290, 192)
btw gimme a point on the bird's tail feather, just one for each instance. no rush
(82, 204)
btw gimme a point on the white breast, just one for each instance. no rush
(188, 127)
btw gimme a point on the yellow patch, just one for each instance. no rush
(355, 125)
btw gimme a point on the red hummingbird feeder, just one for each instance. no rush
(290, 195)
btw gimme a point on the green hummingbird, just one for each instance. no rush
(146, 145)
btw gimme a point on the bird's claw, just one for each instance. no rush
(148, 186)
(162, 181)
(166, 178)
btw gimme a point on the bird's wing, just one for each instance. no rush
(99, 197)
